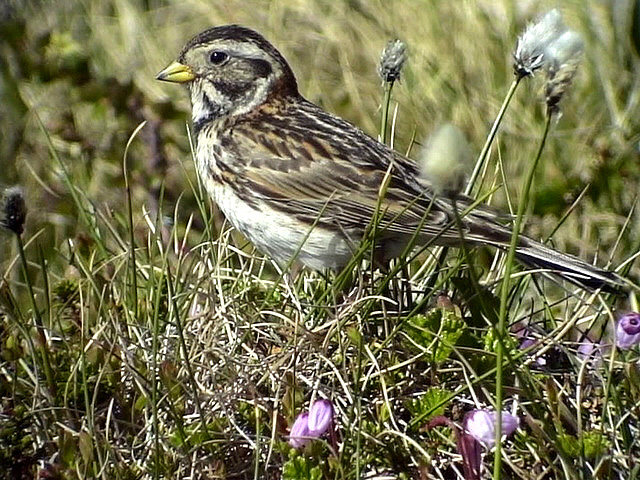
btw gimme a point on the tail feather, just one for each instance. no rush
(566, 266)
(483, 228)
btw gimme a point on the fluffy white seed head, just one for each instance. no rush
(445, 159)
(564, 55)
(392, 60)
(532, 45)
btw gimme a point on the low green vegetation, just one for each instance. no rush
(141, 337)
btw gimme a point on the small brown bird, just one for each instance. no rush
(300, 182)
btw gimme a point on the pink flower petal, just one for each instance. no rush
(320, 417)
(481, 425)
(299, 435)
(628, 330)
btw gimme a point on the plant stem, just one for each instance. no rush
(44, 347)
(504, 297)
(492, 134)
(132, 251)
(388, 86)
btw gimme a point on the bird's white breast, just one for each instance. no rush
(273, 232)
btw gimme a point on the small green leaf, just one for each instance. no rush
(12, 349)
(140, 403)
(438, 332)
(491, 342)
(354, 335)
(430, 404)
(300, 468)
(384, 412)
(595, 444)
(86, 447)
(67, 449)
(569, 444)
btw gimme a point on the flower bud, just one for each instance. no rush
(320, 417)
(563, 58)
(481, 425)
(628, 331)
(13, 211)
(445, 159)
(299, 435)
(392, 60)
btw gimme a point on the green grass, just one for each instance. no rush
(158, 344)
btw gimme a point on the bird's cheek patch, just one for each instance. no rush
(261, 68)
(230, 89)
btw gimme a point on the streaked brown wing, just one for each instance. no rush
(303, 168)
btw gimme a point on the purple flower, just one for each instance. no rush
(529, 342)
(320, 417)
(468, 447)
(312, 424)
(589, 350)
(471, 452)
(481, 425)
(299, 435)
(628, 331)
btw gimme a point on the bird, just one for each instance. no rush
(303, 184)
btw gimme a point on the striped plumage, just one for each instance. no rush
(298, 181)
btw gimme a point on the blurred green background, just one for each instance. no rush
(86, 70)
(77, 78)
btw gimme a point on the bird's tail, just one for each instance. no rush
(535, 254)
(482, 226)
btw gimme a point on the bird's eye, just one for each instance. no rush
(217, 57)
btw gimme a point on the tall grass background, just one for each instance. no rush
(158, 344)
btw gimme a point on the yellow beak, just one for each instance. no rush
(176, 73)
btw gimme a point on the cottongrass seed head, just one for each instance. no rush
(445, 159)
(530, 53)
(564, 55)
(13, 210)
(392, 60)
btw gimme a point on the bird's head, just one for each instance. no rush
(230, 70)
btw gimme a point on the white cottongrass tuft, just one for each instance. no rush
(392, 60)
(444, 160)
(563, 56)
(531, 49)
